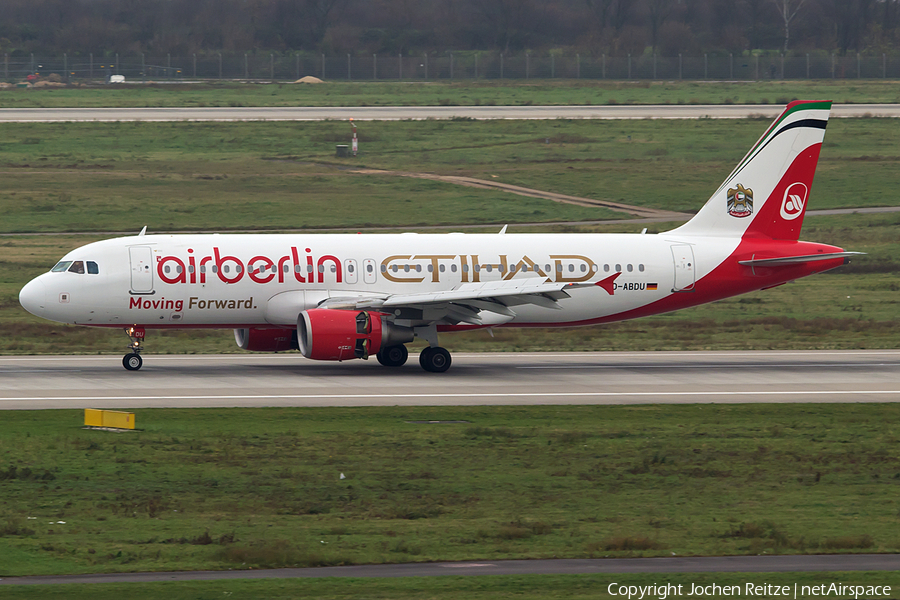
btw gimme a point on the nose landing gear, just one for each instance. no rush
(133, 361)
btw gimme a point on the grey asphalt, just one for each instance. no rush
(395, 113)
(613, 378)
(612, 566)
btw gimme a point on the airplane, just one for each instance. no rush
(337, 297)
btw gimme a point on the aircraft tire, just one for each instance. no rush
(435, 360)
(393, 356)
(132, 361)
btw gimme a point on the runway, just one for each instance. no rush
(397, 113)
(612, 378)
(687, 564)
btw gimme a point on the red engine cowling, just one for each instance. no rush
(266, 340)
(331, 334)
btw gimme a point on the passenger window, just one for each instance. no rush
(606, 268)
(641, 268)
(77, 267)
(61, 266)
(630, 268)
(93, 269)
(618, 268)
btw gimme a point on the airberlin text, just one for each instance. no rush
(304, 267)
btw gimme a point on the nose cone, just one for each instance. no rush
(33, 297)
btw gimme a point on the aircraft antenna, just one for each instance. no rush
(143, 231)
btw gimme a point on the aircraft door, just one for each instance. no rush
(683, 255)
(350, 271)
(369, 270)
(141, 269)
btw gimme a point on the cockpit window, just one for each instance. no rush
(77, 267)
(93, 269)
(61, 266)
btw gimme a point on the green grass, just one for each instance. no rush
(240, 488)
(487, 587)
(462, 93)
(121, 176)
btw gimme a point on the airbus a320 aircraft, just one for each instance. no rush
(339, 297)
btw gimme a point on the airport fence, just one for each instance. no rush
(448, 66)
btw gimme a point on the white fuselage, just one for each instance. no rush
(265, 279)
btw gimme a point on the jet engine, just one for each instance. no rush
(266, 340)
(333, 334)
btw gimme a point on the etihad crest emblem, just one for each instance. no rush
(740, 201)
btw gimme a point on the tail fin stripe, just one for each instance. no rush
(813, 123)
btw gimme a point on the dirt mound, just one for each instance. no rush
(309, 79)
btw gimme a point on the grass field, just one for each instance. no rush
(483, 587)
(240, 488)
(462, 93)
(121, 176)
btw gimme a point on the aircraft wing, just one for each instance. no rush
(463, 303)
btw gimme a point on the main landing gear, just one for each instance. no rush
(433, 359)
(393, 356)
(133, 361)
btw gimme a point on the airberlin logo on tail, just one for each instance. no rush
(794, 200)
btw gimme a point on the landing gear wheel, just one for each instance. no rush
(393, 356)
(132, 361)
(435, 360)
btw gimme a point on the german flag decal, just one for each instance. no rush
(651, 286)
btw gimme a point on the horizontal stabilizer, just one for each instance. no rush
(795, 260)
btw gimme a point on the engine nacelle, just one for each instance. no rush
(266, 340)
(333, 334)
